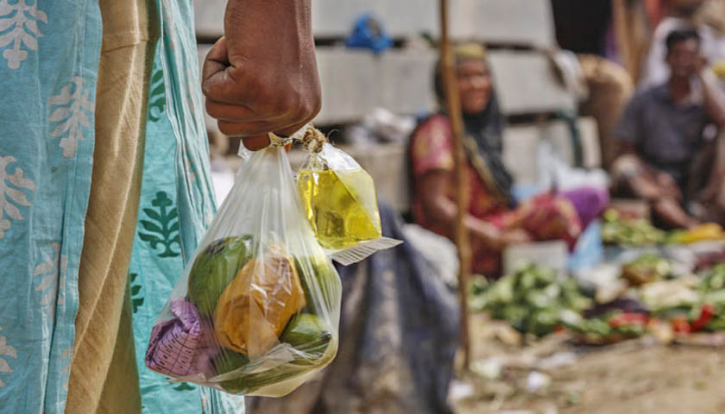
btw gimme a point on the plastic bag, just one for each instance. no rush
(257, 309)
(340, 202)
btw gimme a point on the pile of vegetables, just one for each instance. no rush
(645, 269)
(532, 300)
(621, 230)
(612, 326)
(707, 313)
(253, 316)
(537, 301)
(624, 231)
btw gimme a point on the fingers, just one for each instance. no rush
(256, 143)
(216, 60)
(251, 95)
(218, 81)
(214, 76)
(231, 113)
(251, 129)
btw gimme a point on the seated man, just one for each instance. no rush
(682, 15)
(664, 127)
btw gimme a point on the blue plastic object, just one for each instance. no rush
(368, 33)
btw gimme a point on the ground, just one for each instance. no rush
(639, 377)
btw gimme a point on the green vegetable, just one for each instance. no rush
(532, 299)
(713, 279)
(323, 272)
(647, 268)
(229, 361)
(307, 334)
(214, 269)
(630, 232)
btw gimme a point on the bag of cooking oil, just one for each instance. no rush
(340, 201)
(257, 309)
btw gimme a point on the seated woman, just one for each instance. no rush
(494, 220)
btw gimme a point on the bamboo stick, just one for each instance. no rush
(453, 107)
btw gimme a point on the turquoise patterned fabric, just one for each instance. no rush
(177, 204)
(49, 55)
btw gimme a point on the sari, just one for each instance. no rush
(104, 193)
(544, 217)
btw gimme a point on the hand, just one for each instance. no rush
(645, 186)
(513, 237)
(668, 185)
(262, 76)
(701, 64)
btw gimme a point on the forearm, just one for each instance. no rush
(261, 22)
(714, 100)
(446, 212)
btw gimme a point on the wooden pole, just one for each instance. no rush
(453, 107)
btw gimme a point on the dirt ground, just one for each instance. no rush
(638, 376)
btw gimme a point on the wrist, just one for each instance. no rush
(253, 23)
(488, 232)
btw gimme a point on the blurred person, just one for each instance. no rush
(102, 123)
(610, 88)
(682, 15)
(494, 219)
(584, 28)
(663, 129)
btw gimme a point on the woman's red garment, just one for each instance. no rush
(546, 217)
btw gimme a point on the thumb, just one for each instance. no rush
(214, 76)
(256, 143)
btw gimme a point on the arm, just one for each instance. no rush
(628, 131)
(433, 187)
(629, 166)
(262, 75)
(713, 97)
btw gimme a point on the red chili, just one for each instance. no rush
(706, 314)
(680, 325)
(627, 319)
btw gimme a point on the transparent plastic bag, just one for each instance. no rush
(340, 201)
(257, 309)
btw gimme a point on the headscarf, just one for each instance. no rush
(484, 131)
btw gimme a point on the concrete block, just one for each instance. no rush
(522, 22)
(209, 18)
(526, 83)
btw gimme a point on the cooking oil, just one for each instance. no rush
(342, 206)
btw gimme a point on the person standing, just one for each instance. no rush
(105, 187)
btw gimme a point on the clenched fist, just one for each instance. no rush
(262, 77)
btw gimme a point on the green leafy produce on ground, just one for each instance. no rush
(618, 230)
(647, 268)
(691, 305)
(532, 300)
(613, 326)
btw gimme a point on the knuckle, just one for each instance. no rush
(311, 108)
(211, 109)
(284, 105)
(206, 88)
(226, 128)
